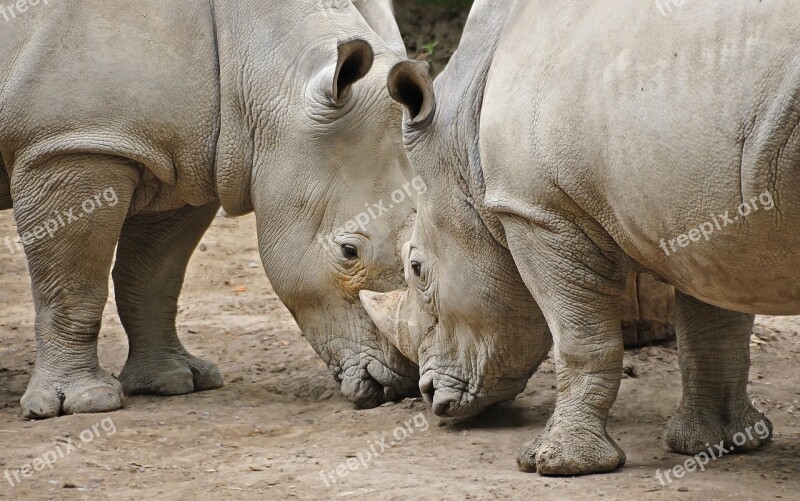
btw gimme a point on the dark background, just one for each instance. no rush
(432, 28)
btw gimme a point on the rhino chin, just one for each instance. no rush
(364, 392)
(376, 384)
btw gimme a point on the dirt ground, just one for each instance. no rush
(280, 420)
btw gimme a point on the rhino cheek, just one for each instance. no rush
(341, 342)
(369, 370)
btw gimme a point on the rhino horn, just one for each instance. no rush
(386, 312)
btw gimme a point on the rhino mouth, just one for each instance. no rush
(446, 396)
(367, 393)
(371, 386)
(449, 397)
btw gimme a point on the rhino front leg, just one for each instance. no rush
(578, 283)
(69, 212)
(153, 253)
(714, 353)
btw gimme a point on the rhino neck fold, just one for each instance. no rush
(463, 83)
(262, 57)
(234, 155)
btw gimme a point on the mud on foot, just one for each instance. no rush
(49, 395)
(571, 449)
(691, 432)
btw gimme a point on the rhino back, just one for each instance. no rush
(134, 79)
(652, 124)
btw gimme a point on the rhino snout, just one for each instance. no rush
(444, 401)
(375, 384)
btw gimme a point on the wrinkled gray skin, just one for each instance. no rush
(622, 128)
(458, 337)
(175, 107)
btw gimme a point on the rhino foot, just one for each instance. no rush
(571, 449)
(169, 374)
(50, 396)
(692, 432)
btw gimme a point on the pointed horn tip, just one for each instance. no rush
(372, 302)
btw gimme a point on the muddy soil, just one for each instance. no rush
(279, 429)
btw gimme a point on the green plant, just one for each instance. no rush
(430, 47)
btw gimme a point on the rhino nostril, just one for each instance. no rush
(428, 392)
(441, 408)
(390, 394)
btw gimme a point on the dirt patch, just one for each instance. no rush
(279, 429)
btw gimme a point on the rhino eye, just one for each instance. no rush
(416, 267)
(349, 251)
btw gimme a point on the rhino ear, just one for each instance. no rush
(355, 61)
(411, 85)
(384, 310)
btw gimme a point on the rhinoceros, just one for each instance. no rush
(572, 142)
(126, 124)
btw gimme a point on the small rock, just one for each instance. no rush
(683, 489)
(203, 248)
(253, 264)
(630, 371)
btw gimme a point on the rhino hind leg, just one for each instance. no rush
(70, 210)
(152, 256)
(580, 294)
(714, 351)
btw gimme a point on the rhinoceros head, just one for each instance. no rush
(466, 317)
(324, 169)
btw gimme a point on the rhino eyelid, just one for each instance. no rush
(350, 251)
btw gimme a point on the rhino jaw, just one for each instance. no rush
(385, 310)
